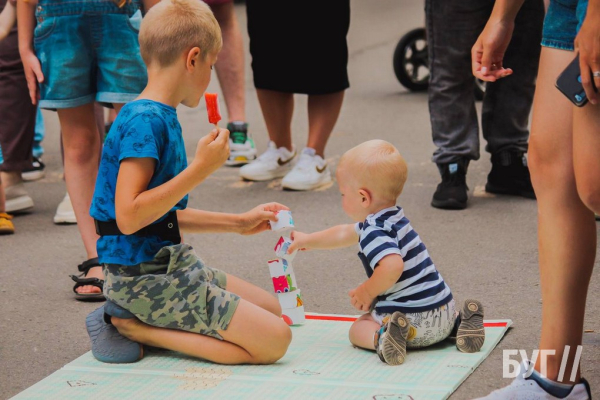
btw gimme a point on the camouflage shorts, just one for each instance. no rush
(175, 290)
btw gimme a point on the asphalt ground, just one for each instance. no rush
(487, 252)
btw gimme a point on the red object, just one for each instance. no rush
(212, 107)
(352, 319)
(287, 319)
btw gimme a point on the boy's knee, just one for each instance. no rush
(281, 339)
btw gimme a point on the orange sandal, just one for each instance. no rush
(6, 226)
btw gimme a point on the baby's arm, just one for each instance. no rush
(137, 207)
(7, 19)
(386, 274)
(332, 238)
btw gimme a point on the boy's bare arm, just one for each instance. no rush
(7, 19)
(253, 221)
(137, 207)
(332, 238)
(386, 274)
(31, 64)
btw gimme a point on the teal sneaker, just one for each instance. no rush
(241, 147)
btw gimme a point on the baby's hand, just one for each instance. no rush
(213, 150)
(299, 241)
(361, 299)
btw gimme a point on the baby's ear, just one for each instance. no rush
(366, 197)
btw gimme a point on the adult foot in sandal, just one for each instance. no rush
(89, 284)
(108, 345)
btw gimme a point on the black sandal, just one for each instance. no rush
(81, 280)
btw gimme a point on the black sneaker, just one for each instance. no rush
(35, 172)
(241, 147)
(451, 193)
(510, 174)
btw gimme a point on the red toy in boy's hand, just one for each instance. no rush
(212, 107)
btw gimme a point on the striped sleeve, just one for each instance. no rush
(376, 244)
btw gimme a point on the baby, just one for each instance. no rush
(408, 304)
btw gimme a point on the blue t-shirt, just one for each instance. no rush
(143, 128)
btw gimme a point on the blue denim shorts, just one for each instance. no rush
(89, 51)
(563, 21)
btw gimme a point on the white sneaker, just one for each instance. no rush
(64, 212)
(35, 172)
(310, 172)
(522, 388)
(273, 163)
(17, 198)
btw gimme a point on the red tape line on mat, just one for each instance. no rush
(352, 319)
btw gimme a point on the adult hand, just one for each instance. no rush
(213, 150)
(487, 54)
(587, 43)
(299, 241)
(257, 219)
(360, 298)
(33, 74)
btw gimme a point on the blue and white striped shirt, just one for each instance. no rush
(420, 287)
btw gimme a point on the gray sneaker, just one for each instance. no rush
(471, 333)
(391, 347)
(17, 198)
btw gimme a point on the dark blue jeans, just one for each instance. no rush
(452, 29)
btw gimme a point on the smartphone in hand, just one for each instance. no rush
(569, 83)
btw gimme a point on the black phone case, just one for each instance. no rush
(569, 83)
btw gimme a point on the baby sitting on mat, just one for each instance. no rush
(408, 304)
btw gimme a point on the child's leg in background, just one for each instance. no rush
(363, 330)
(81, 143)
(18, 119)
(38, 136)
(82, 147)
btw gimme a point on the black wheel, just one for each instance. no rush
(479, 89)
(411, 62)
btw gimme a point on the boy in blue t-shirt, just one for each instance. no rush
(159, 293)
(408, 302)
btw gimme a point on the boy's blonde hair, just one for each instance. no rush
(376, 165)
(173, 27)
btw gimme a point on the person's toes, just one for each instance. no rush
(88, 289)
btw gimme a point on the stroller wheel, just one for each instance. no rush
(411, 62)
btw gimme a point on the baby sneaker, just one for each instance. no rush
(391, 346)
(471, 333)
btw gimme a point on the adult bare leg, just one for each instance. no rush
(323, 113)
